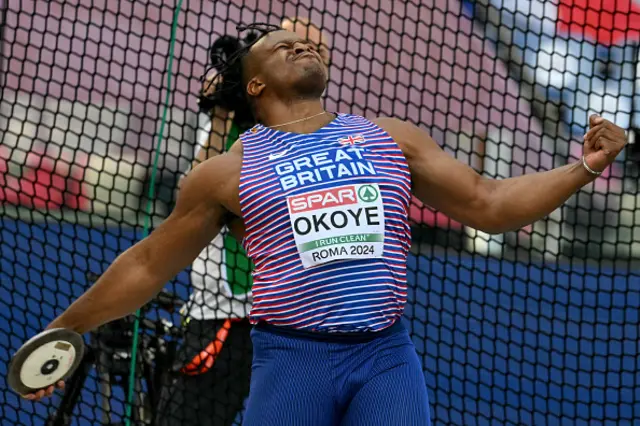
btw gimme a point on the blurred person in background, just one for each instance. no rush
(214, 361)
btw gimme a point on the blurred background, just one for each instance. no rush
(539, 326)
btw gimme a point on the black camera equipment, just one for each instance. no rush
(109, 352)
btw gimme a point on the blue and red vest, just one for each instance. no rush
(326, 219)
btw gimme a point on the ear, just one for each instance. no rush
(255, 87)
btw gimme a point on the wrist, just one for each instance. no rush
(70, 321)
(585, 177)
(587, 168)
(56, 323)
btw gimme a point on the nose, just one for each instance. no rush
(300, 48)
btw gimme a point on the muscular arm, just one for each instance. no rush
(140, 272)
(493, 206)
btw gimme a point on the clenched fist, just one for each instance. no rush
(602, 143)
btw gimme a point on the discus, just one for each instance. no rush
(44, 360)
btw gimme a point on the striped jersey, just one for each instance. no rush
(326, 226)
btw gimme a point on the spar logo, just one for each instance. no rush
(341, 208)
(368, 193)
(334, 197)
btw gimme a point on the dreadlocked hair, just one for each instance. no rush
(226, 57)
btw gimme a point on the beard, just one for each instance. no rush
(310, 81)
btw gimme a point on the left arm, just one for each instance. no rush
(496, 206)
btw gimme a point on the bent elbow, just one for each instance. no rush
(491, 227)
(482, 215)
(494, 229)
(495, 224)
(492, 220)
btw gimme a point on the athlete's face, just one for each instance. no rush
(309, 31)
(287, 65)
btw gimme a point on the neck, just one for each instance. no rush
(278, 113)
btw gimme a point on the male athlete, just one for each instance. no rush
(320, 201)
(216, 353)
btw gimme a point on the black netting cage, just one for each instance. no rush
(106, 105)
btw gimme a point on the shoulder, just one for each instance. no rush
(390, 124)
(236, 148)
(411, 139)
(396, 128)
(215, 173)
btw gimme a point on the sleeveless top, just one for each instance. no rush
(326, 226)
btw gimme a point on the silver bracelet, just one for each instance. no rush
(589, 169)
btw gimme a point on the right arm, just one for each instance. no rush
(139, 273)
(497, 206)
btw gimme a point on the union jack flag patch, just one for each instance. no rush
(352, 140)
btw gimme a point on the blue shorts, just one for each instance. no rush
(324, 380)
